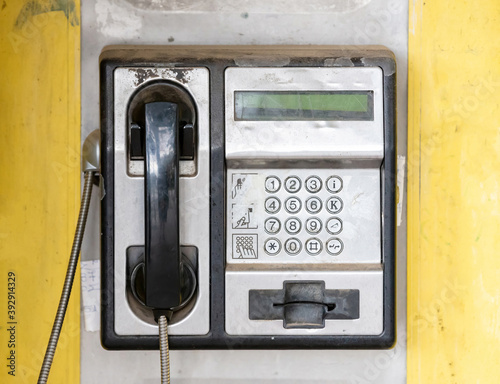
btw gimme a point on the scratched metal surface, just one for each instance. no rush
(107, 22)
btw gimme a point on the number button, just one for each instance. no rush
(272, 205)
(313, 225)
(313, 205)
(293, 205)
(273, 184)
(334, 225)
(292, 184)
(334, 184)
(313, 246)
(313, 184)
(272, 246)
(293, 225)
(272, 225)
(334, 205)
(293, 246)
(334, 246)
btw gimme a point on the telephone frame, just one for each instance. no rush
(217, 59)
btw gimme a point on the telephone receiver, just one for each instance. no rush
(165, 281)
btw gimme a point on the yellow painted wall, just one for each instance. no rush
(39, 180)
(453, 180)
(453, 192)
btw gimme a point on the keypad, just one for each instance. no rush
(317, 202)
(303, 216)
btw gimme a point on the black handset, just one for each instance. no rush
(160, 138)
(161, 185)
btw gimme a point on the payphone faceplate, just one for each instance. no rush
(286, 208)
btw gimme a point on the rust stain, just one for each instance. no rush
(143, 75)
(35, 7)
(181, 75)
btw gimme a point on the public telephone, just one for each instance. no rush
(248, 193)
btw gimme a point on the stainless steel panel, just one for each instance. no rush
(193, 195)
(369, 283)
(250, 141)
(356, 226)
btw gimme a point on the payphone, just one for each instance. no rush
(248, 194)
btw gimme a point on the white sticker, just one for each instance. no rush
(91, 294)
(401, 187)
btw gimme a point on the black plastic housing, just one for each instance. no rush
(217, 59)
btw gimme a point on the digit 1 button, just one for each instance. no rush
(272, 225)
(293, 205)
(293, 246)
(292, 184)
(334, 246)
(292, 225)
(334, 184)
(313, 225)
(334, 225)
(272, 205)
(313, 184)
(272, 247)
(273, 184)
(313, 205)
(313, 246)
(334, 205)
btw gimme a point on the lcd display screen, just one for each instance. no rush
(303, 105)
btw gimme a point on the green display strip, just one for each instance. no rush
(312, 105)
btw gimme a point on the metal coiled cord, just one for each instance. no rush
(68, 282)
(164, 350)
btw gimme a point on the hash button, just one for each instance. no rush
(313, 246)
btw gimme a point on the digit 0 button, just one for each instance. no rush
(334, 246)
(273, 184)
(313, 184)
(292, 184)
(293, 246)
(334, 184)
